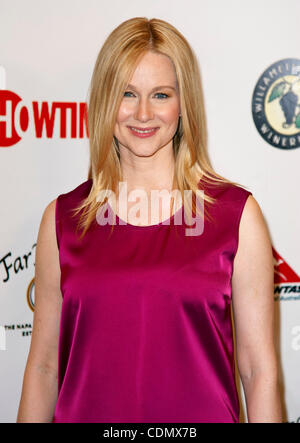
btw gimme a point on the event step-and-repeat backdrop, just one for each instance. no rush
(249, 59)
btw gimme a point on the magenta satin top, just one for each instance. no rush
(145, 329)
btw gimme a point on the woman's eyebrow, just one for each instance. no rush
(154, 89)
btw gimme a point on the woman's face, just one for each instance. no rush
(148, 116)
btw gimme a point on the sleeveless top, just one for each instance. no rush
(145, 327)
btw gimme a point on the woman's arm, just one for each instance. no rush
(39, 391)
(253, 314)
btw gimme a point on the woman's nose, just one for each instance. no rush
(144, 110)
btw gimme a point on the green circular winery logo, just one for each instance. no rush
(276, 104)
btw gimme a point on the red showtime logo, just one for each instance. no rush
(16, 117)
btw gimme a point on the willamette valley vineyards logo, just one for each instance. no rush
(276, 104)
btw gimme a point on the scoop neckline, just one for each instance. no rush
(166, 222)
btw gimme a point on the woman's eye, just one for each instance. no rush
(161, 95)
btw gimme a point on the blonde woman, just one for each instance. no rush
(132, 321)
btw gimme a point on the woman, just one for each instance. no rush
(140, 319)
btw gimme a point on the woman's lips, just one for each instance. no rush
(142, 132)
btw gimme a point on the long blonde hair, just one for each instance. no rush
(115, 64)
